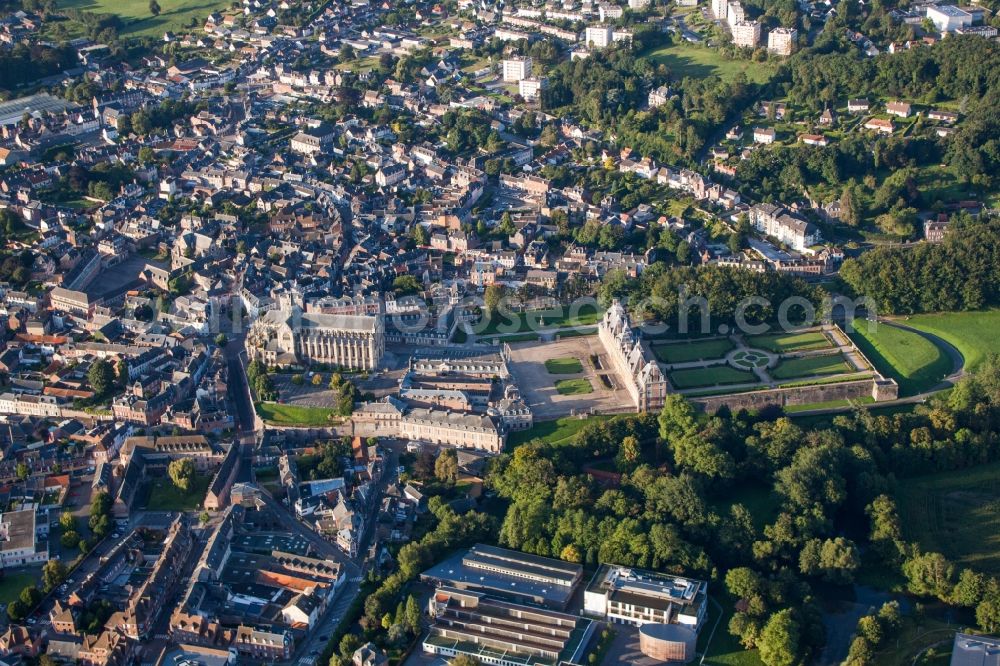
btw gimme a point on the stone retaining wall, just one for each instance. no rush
(879, 389)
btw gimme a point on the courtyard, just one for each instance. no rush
(542, 371)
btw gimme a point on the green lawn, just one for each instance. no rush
(758, 498)
(137, 20)
(915, 636)
(574, 386)
(554, 318)
(781, 343)
(809, 366)
(916, 363)
(560, 431)
(956, 514)
(563, 366)
(974, 334)
(698, 61)
(683, 352)
(12, 583)
(719, 374)
(165, 496)
(294, 415)
(724, 648)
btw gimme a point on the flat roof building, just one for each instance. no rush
(971, 650)
(498, 632)
(511, 574)
(635, 596)
(18, 539)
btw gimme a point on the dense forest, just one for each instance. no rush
(961, 273)
(679, 505)
(25, 64)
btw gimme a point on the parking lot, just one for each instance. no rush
(538, 385)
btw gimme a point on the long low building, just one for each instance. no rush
(511, 574)
(494, 631)
(448, 428)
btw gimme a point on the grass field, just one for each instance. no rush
(563, 366)
(692, 60)
(560, 431)
(518, 323)
(809, 366)
(724, 648)
(137, 20)
(917, 364)
(758, 498)
(781, 343)
(12, 583)
(272, 412)
(683, 352)
(574, 386)
(165, 496)
(720, 374)
(956, 514)
(974, 334)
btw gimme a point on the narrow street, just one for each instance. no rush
(308, 650)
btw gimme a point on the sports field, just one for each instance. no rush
(574, 386)
(782, 343)
(809, 366)
(137, 20)
(956, 514)
(917, 364)
(563, 366)
(713, 376)
(974, 334)
(683, 352)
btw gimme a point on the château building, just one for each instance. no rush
(641, 375)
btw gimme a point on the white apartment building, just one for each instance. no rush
(735, 13)
(778, 223)
(948, 18)
(598, 36)
(781, 41)
(746, 34)
(531, 89)
(516, 69)
(720, 9)
(609, 12)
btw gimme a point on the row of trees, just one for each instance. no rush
(675, 294)
(260, 382)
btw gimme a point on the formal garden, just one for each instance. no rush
(737, 362)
